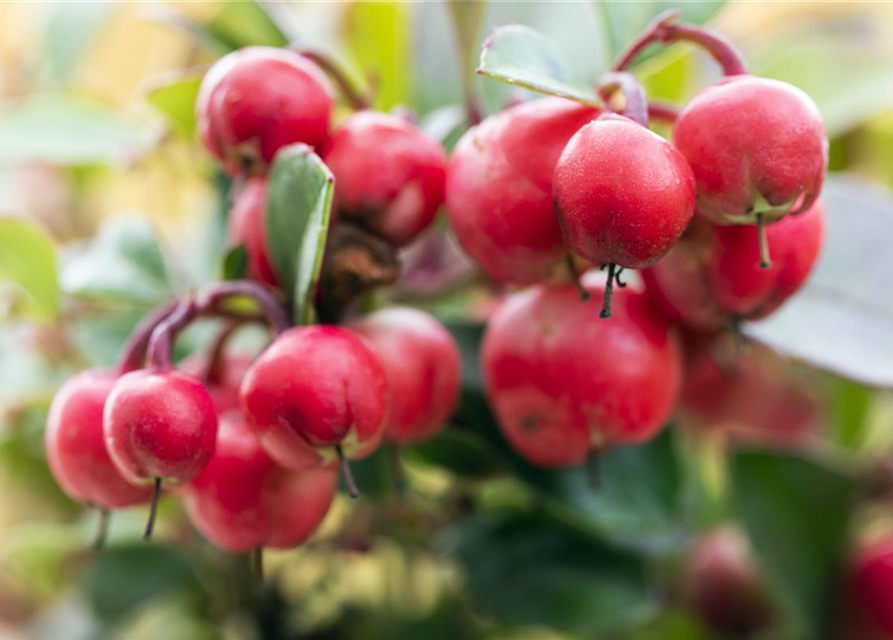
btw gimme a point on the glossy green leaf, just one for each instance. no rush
(245, 23)
(175, 100)
(842, 320)
(123, 262)
(528, 568)
(795, 511)
(62, 130)
(625, 20)
(28, 259)
(299, 203)
(377, 37)
(235, 263)
(522, 56)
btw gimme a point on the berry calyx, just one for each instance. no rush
(247, 226)
(314, 392)
(499, 188)
(710, 277)
(75, 445)
(422, 365)
(256, 100)
(557, 401)
(624, 194)
(389, 175)
(242, 500)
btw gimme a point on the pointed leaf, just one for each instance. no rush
(28, 259)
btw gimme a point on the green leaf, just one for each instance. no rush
(175, 100)
(70, 28)
(299, 203)
(625, 20)
(842, 320)
(244, 23)
(522, 56)
(122, 580)
(235, 263)
(377, 37)
(28, 259)
(124, 262)
(463, 452)
(527, 568)
(62, 130)
(796, 513)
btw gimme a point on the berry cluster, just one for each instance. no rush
(255, 443)
(545, 188)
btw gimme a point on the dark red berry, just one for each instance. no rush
(248, 227)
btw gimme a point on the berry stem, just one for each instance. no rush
(765, 258)
(162, 341)
(665, 29)
(134, 354)
(636, 104)
(609, 291)
(153, 510)
(397, 475)
(346, 473)
(575, 274)
(257, 564)
(210, 301)
(214, 369)
(357, 99)
(102, 529)
(663, 112)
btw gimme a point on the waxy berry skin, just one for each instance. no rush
(499, 188)
(563, 382)
(423, 368)
(248, 227)
(257, 100)
(711, 276)
(75, 445)
(389, 175)
(624, 194)
(756, 146)
(315, 388)
(242, 500)
(160, 424)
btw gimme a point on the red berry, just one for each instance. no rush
(389, 175)
(222, 383)
(248, 227)
(75, 445)
(711, 276)
(257, 100)
(160, 424)
(870, 593)
(624, 194)
(562, 382)
(723, 585)
(314, 389)
(499, 188)
(757, 148)
(242, 500)
(751, 396)
(423, 369)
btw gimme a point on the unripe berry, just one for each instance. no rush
(160, 424)
(723, 585)
(757, 148)
(710, 276)
(312, 390)
(624, 194)
(242, 500)
(75, 445)
(248, 227)
(562, 382)
(499, 188)
(257, 100)
(389, 175)
(423, 369)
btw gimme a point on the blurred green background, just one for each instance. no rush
(110, 206)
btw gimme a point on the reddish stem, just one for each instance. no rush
(665, 30)
(134, 354)
(663, 112)
(357, 99)
(161, 343)
(636, 107)
(211, 299)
